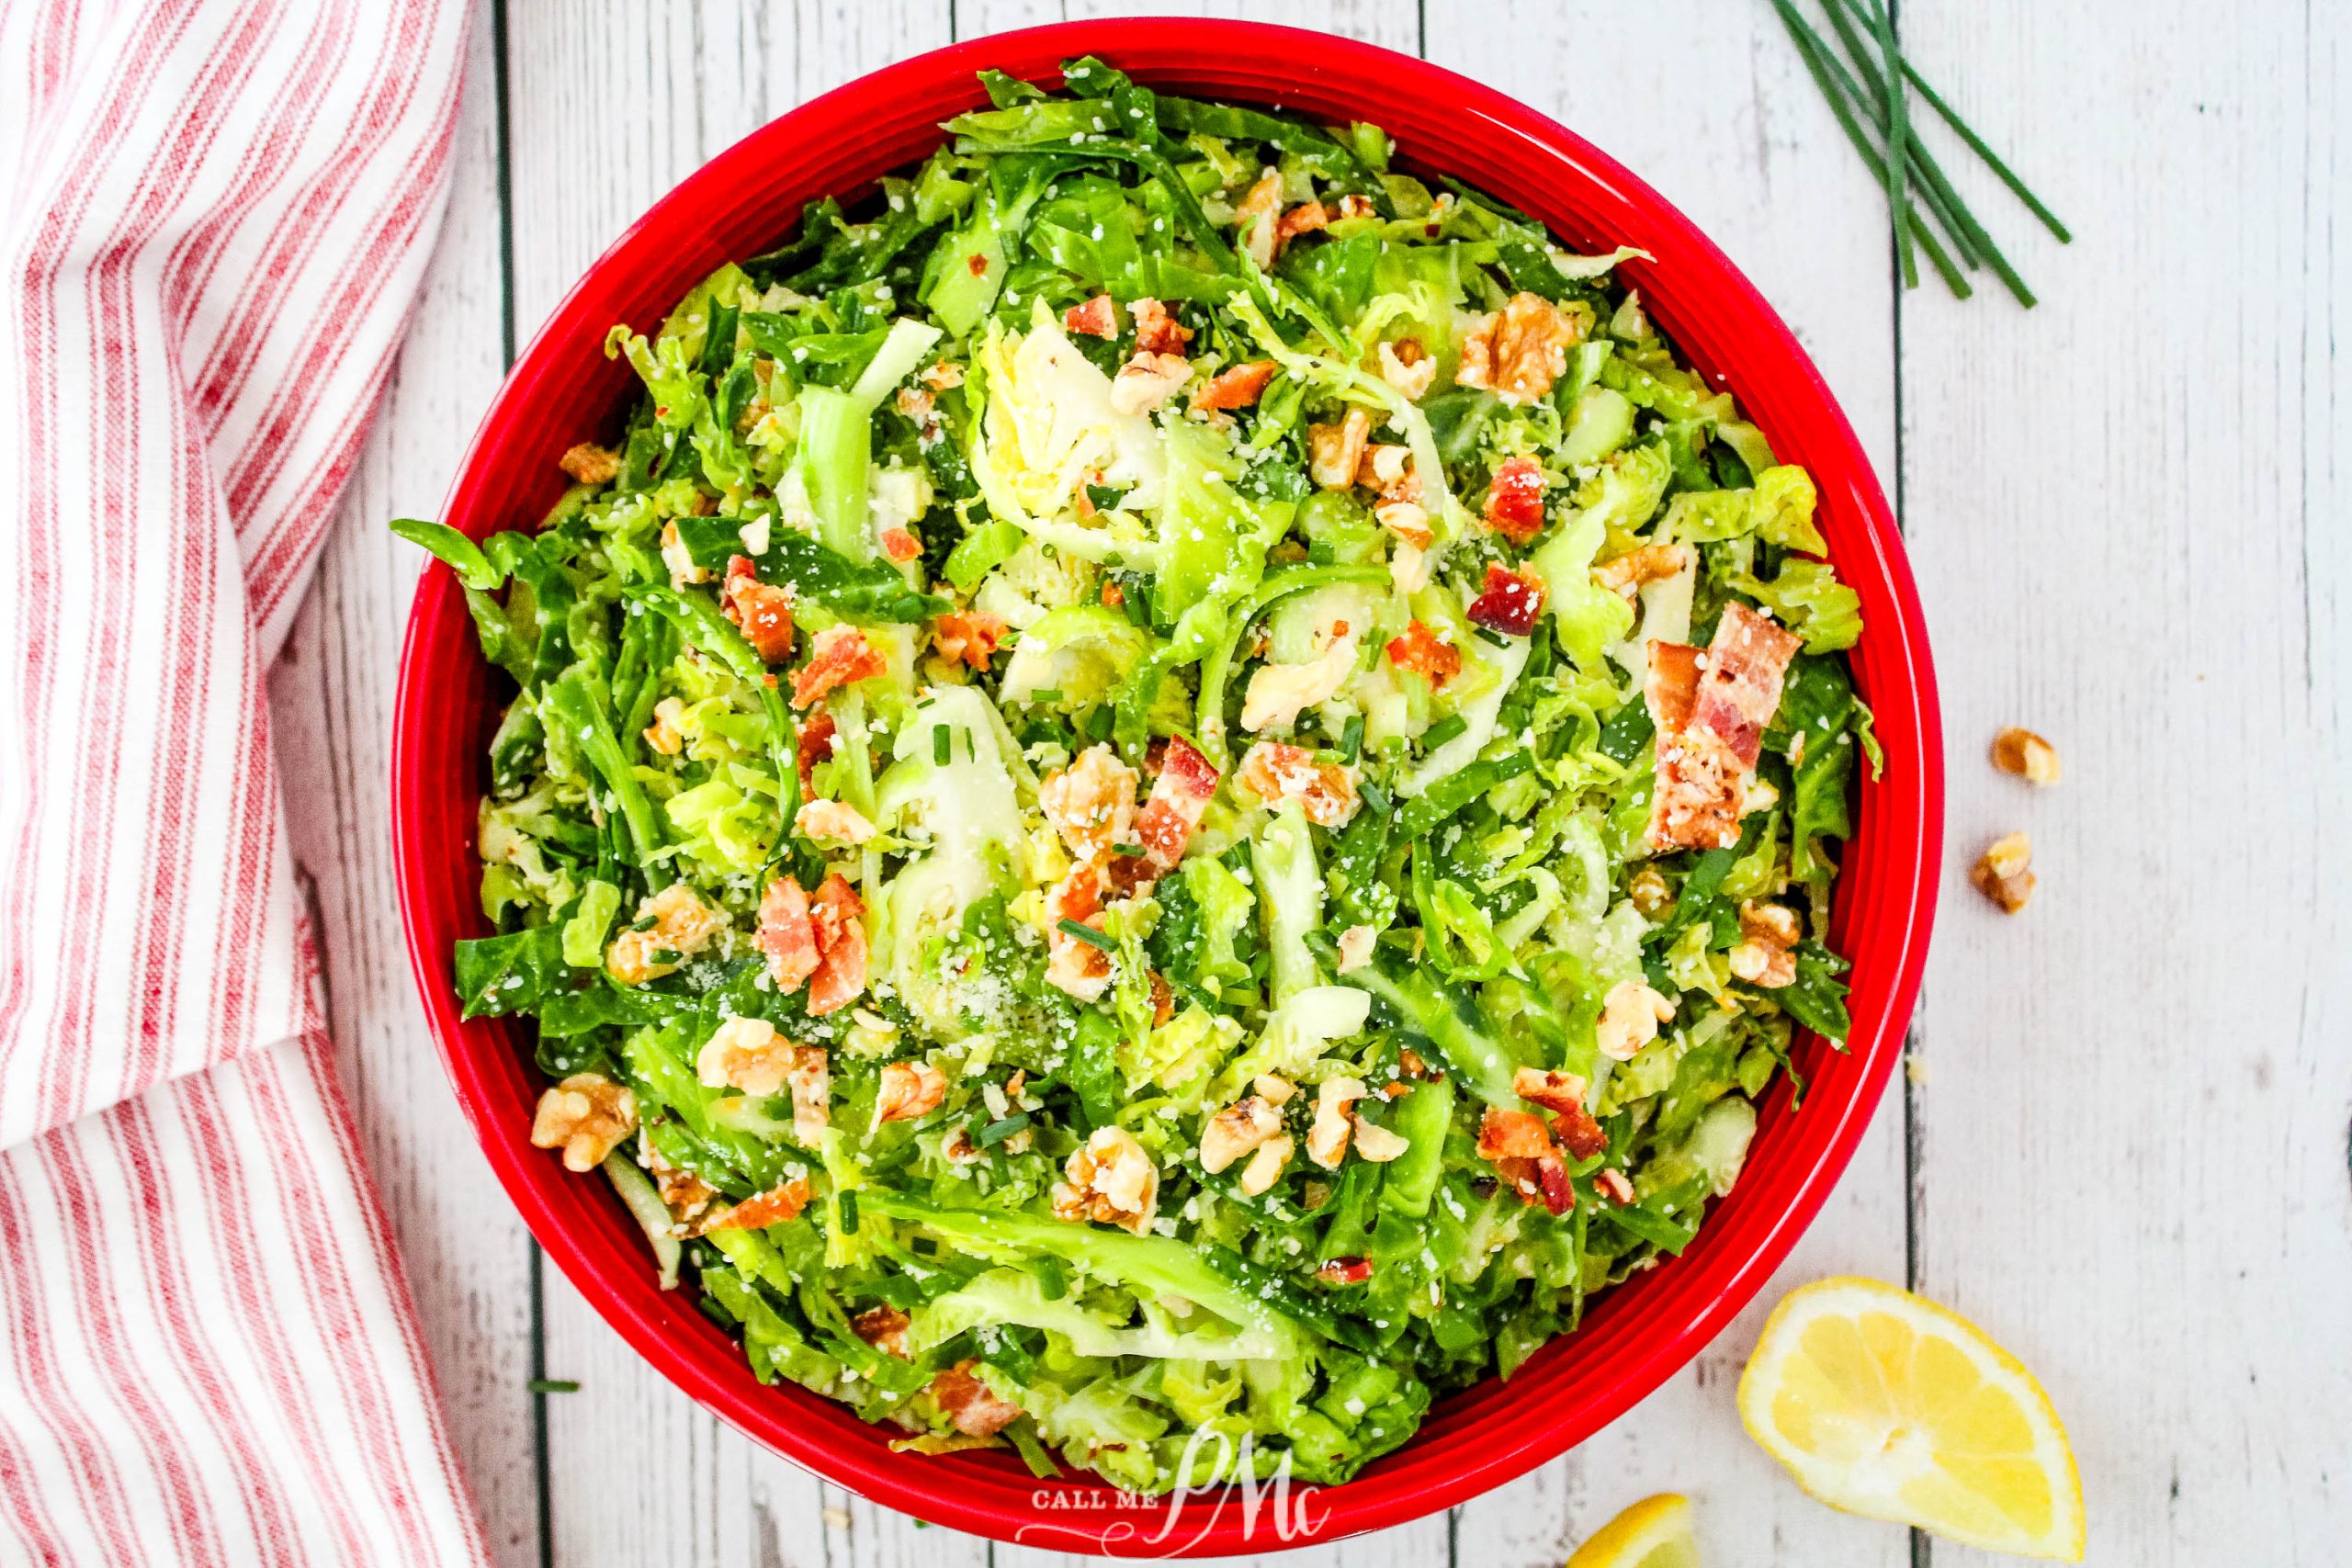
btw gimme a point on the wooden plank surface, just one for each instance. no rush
(2126, 1156)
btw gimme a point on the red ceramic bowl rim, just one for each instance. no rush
(1639, 1333)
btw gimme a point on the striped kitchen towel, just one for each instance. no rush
(218, 215)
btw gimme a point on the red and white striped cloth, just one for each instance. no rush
(218, 214)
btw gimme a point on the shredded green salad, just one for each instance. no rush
(1166, 798)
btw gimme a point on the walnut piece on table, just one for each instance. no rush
(2003, 873)
(2024, 754)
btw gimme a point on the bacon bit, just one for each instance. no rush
(972, 636)
(973, 1408)
(1178, 795)
(787, 934)
(1096, 318)
(1408, 1061)
(814, 745)
(780, 1205)
(1306, 218)
(978, 265)
(1515, 501)
(1517, 1145)
(1273, 771)
(1695, 804)
(1158, 332)
(1552, 1089)
(839, 657)
(1091, 802)
(1579, 1133)
(1509, 603)
(1335, 451)
(909, 1090)
(838, 915)
(1073, 966)
(1646, 563)
(885, 1328)
(761, 612)
(1234, 388)
(900, 545)
(1672, 687)
(1345, 1271)
(1520, 352)
(1113, 595)
(589, 464)
(1163, 1000)
(1740, 689)
(1418, 649)
(1611, 1183)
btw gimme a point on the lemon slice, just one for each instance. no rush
(1883, 1404)
(1653, 1533)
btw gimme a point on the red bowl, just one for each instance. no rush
(745, 201)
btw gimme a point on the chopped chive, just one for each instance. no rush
(942, 741)
(1087, 934)
(1976, 143)
(1443, 731)
(1374, 796)
(1352, 737)
(553, 1385)
(1052, 1284)
(997, 1130)
(1044, 696)
(1898, 141)
(846, 1201)
(1132, 851)
(923, 1246)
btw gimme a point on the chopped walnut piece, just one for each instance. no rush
(1265, 1167)
(2027, 755)
(909, 1090)
(1258, 216)
(780, 1205)
(885, 1328)
(810, 1076)
(1091, 802)
(1387, 467)
(1407, 366)
(1377, 1144)
(2003, 873)
(1112, 1181)
(1336, 451)
(1272, 1090)
(1766, 955)
(1629, 1018)
(745, 1054)
(1646, 563)
(1157, 331)
(1306, 218)
(975, 1409)
(1517, 353)
(586, 1116)
(832, 820)
(1327, 1140)
(681, 926)
(684, 1194)
(662, 734)
(1149, 380)
(1356, 948)
(589, 464)
(1236, 1130)
(1410, 521)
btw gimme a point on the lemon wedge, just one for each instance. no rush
(1883, 1404)
(1653, 1533)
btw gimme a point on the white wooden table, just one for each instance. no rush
(2123, 1145)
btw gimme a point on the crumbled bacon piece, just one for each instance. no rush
(1158, 332)
(1552, 1089)
(1518, 1145)
(1237, 387)
(778, 1205)
(1163, 1000)
(1515, 499)
(814, 745)
(1306, 218)
(1418, 648)
(1178, 795)
(1740, 689)
(1645, 563)
(1273, 771)
(1509, 604)
(1671, 686)
(1336, 451)
(761, 612)
(837, 916)
(977, 264)
(1711, 714)
(1091, 802)
(839, 657)
(885, 1328)
(1356, 205)
(900, 545)
(972, 636)
(786, 935)
(1096, 318)
(974, 1409)
(1345, 1271)
(1611, 1184)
